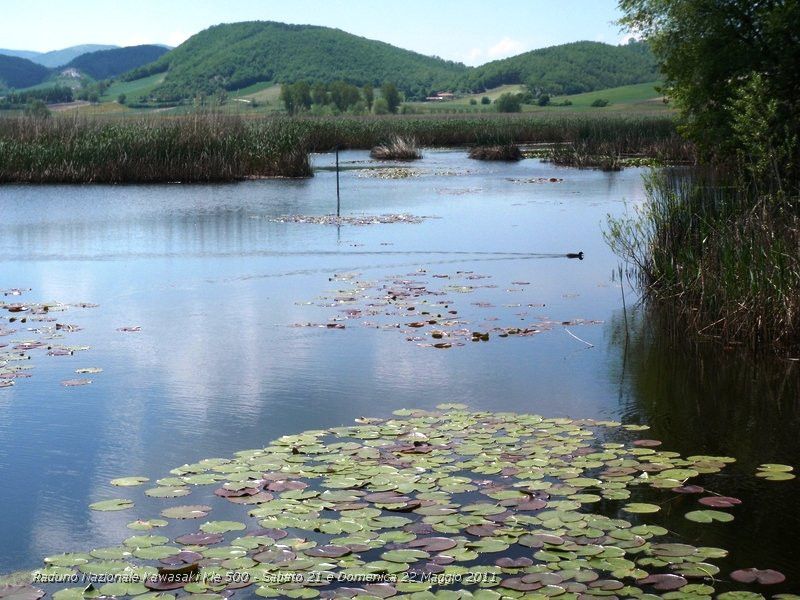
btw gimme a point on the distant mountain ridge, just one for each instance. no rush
(571, 68)
(57, 58)
(17, 72)
(232, 56)
(110, 63)
(236, 55)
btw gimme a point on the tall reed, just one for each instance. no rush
(723, 259)
(194, 148)
(214, 147)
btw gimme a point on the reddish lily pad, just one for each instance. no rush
(761, 576)
(719, 501)
(75, 382)
(664, 582)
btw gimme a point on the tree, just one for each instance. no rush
(37, 109)
(369, 95)
(122, 99)
(319, 94)
(714, 53)
(543, 100)
(380, 106)
(296, 96)
(391, 95)
(287, 97)
(508, 103)
(486, 100)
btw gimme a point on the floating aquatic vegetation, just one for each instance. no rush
(535, 180)
(43, 333)
(773, 472)
(457, 191)
(386, 219)
(391, 173)
(426, 311)
(409, 173)
(76, 382)
(429, 504)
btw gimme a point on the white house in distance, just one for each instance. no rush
(441, 97)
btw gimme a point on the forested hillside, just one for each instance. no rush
(109, 63)
(236, 55)
(568, 69)
(18, 72)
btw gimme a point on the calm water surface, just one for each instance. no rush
(215, 286)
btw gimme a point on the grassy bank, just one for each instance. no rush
(723, 260)
(212, 147)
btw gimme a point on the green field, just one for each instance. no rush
(133, 90)
(640, 97)
(635, 99)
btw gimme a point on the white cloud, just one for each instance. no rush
(474, 55)
(505, 47)
(176, 38)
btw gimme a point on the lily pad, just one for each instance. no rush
(761, 576)
(129, 481)
(709, 516)
(112, 505)
(641, 508)
(191, 511)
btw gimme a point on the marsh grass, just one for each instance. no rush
(398, 148)
(197, 148)
(723, 259)
(214, 147)
(502, 152)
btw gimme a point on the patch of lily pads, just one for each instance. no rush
(359, 220)
(423, 306)
(38, 329)
(428, 504)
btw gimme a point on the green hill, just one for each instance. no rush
(59, 58)
(568, 69)
(18, 72)
(233, 56)
(104, 64)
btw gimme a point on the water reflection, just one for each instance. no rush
(216, 368)
(700, 399)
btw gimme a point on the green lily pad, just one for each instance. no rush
(709, 516)
(641, 508)
(129, 481)
(112, 505)
(222, 526)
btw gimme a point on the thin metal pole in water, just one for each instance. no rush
(338, 200)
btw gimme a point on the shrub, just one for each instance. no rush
(509, 103)
(486, 100)
(507, 152)
(397, 149)
(600, 103)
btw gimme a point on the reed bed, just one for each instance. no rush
(723, 259)
(196, 148)
(398, 148)
(213, 147)
(502, 152)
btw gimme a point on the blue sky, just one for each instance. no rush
(470, 31)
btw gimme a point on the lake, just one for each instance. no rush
(234, 350)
